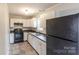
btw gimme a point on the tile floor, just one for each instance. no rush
(22, 48)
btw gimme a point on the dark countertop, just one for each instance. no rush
(38, 35)
(24, 27)
(24, 31)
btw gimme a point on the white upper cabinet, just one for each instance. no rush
(42, 19)
(26, 22)
(34, 22)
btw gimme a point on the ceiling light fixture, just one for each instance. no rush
(29, 11)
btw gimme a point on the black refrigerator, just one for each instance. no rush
(62, 35)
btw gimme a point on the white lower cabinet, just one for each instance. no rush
(37, 44)
(25, 36)
(42, 48)
(11, 37)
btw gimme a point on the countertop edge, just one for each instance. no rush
(37, 37)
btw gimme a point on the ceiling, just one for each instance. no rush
(28, 9)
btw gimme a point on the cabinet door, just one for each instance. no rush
(43, 48)
(36, 44)
(30, 40)
(25, 36)
(12, 21)
(27, 23)
(40, 46)
(11, 38)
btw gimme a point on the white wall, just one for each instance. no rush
(64, 9)
(4, 29)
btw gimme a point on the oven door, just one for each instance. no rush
(18, 36)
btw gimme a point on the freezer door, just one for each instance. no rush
(57, 46)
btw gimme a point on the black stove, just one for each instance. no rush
(18, 35)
